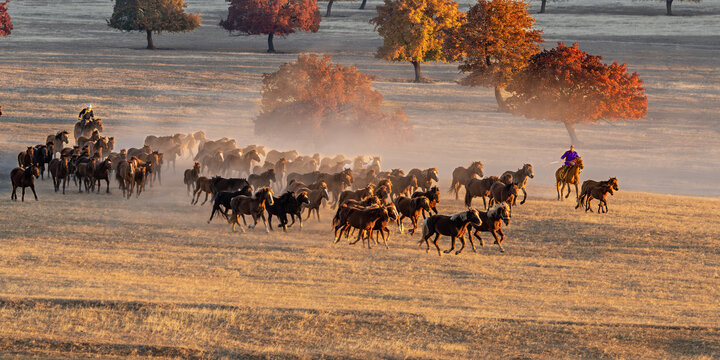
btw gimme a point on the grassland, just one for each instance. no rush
(93, 275)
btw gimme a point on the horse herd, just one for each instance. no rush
(366, 199)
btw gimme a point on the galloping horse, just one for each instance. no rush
(571, 176)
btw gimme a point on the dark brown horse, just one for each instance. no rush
(87, 128)
(597, 190)
(102, 172)
(191, 175)
(500, 192)
(202, 184)
(362, 219)
(492, 221)
(453, 226)
(479, 188)
(569, 177)
(253, 206)
(433, 196)
(411, 208)
(520, 177)
(357, 195)
(461, 176)
(59, 171)
(425, 177)
(20, 177)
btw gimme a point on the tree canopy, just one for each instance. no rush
(568, 85)
(415, 30)
(313, 98)
(152, 16)
(495, 41)
(5, 23)
(280, 17)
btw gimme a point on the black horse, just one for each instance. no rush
(223, 198)
(287, 203)
(433, 196)
(41, 156)
(219, 184)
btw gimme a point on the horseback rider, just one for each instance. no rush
(570, 156)
(85, 115)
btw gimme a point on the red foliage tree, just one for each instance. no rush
(314, 99)
(5, 23)
(279, 17)
(568, 85)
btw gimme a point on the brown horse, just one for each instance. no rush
(402, 185)
(503, 193)
(59, 171)
(316, 197)
(479, 188)
(281, 171)
(263, 180)
(492, 221)
(23, 178)
(25, 158)
(520, 177)
(597, 190)
(358, 195)
(433, 196)
(362, 219)
(191, 175)
(453, 226)
(425, 177)
(254, 206)
(337, 183)
(102, 172)
(125, 176)
(461, 176)
(411, 208)
(87, 129)
(202, 184)
(569, 177)
(240, 164)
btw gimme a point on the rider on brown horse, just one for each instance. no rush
(86, 114)
(570, 156)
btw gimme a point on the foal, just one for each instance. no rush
(23, 178)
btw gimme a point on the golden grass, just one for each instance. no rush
(641, 281)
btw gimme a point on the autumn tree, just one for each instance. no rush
(152, 16)
(415, 30)
(568, 85)
(5, 23)
(496, 40)
(313, 99)
(279, 17)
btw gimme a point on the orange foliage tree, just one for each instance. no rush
(5, 23)
(568, 85)
(415, 30)
(495, 42)
(152, 16)
(313, 98)
(279, 17)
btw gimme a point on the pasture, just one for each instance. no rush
(101, 276)
(98, 276)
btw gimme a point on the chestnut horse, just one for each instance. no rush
(23, 178)
(570, 177)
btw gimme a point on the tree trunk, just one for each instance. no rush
(271, 48)
(150, 46)
(668, 5)
(418, 74)
(362, 5)
(329, 8)
(542, 6)
(502, 105)
(571, 131)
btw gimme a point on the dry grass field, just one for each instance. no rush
(95, 276)
(92, 275)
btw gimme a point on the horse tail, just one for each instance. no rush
(454, 185)
(426, 230)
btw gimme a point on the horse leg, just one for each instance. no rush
(471, 241)
(462, 245)
(206, 197)
(385, 237)
(437, 236)
(32, 187)
(415, 223)
(452, 245)
(557, 187)
(577, 194)
(262, 216)
(270, 221)
(23, 194)
(499, 242)
(524, 196)
(107, 186)
(64, 183)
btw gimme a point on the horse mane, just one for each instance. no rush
(459, 216)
